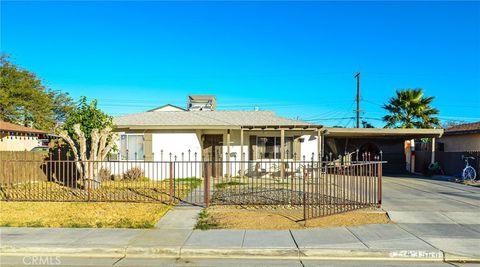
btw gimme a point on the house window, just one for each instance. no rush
(131, 147)
(269, 147)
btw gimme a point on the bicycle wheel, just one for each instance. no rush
(469, 174)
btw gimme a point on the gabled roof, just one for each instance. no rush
(11, 127)
(201, 97)
(467, 128)
(205, 120)
(166, 106)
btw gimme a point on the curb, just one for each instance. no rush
(244, 253)
(407, 255)
(450, 257)
(267, 253)
(153, 252)
(77, 251)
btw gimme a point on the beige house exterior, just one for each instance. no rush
(465, 137)
(15, 137)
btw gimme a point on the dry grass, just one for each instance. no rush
(475, 183)
(70, 214)
(124, 190)
(240, 218)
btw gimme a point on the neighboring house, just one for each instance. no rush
(15, 137)
(457, 142)
(460, 138)
(200, 132)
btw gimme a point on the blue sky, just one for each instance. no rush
(296, 58)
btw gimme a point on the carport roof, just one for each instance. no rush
(383, 132)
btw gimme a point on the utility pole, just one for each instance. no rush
(358, 99)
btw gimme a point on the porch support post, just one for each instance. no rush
(433, 150)
(322, 155)
(282, 153)
(319, 144)
(228, 153)
(412, 155)
(242, 158)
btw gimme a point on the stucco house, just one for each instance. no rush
(200, 132)
(14, 137)
(460, 138)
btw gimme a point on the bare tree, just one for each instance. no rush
(87, 163)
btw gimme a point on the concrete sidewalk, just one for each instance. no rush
(181, 217)
(385, 242)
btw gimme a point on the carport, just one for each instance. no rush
(392, 145)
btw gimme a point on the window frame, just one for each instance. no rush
(276, 147)
(125, 157)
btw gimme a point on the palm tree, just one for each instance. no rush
(410, 109)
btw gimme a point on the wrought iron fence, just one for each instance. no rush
(314, 188)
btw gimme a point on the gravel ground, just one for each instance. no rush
(271, 196)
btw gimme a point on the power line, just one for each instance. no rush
(371, 102)
(326, 119)
(348, 122)
(333, 114)
(339, 122)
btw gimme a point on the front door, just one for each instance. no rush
(213, 151)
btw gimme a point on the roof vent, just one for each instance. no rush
(201, 103)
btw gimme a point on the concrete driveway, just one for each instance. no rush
(444, 214)
(419, 194)
(426, 196)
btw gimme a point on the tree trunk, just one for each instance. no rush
(89, 168)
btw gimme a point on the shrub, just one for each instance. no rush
(133, 174)
(104, 174)
(205, 221)
(227, 184)
(433, 169)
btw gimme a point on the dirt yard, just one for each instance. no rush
(236, 217)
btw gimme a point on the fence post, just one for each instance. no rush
(305, 174)
(206, 190)
(379, 184)
(7, 179)
(171, 181)
(88, 182)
